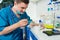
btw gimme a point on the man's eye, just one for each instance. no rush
(22, 7)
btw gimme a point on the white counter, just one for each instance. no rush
(41, 36)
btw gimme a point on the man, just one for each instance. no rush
(12, 18)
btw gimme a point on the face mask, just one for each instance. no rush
(18, 12)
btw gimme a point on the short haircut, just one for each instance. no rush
(19, 1)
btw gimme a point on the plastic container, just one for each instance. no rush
(41, 24)
(57, 22)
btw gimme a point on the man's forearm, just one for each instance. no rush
(9, 29)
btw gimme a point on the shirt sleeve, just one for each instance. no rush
(3, 20)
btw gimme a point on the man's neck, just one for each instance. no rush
(14, 10)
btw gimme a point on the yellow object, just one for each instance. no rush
(49, 26)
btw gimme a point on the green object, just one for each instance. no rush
(57, 25)
(48, 9)
(49, 33)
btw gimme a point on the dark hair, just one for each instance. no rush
(25, 1)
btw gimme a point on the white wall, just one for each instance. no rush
(31, 10)
(34, 10)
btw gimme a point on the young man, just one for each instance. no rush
(12, 18)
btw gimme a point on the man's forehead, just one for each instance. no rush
(23, 4)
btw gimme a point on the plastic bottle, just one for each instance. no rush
(57, 22)
(41, 24)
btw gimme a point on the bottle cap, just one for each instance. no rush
(40, 20)
(58, 16)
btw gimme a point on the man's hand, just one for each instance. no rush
(9, 29)
(23, 22)
(32, 24)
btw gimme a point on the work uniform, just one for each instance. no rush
(8, 18)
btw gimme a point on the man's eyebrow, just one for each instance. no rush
(22, 7)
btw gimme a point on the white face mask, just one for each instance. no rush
(18, 12)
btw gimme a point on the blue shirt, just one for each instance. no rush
(7, 18)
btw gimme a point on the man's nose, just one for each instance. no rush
(23, 10)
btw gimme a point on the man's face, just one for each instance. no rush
(21, 6)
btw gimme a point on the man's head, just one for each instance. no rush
(21, 5)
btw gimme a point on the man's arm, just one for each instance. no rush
(9, 29)
(31, 23)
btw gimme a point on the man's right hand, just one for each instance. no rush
(23, 22)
